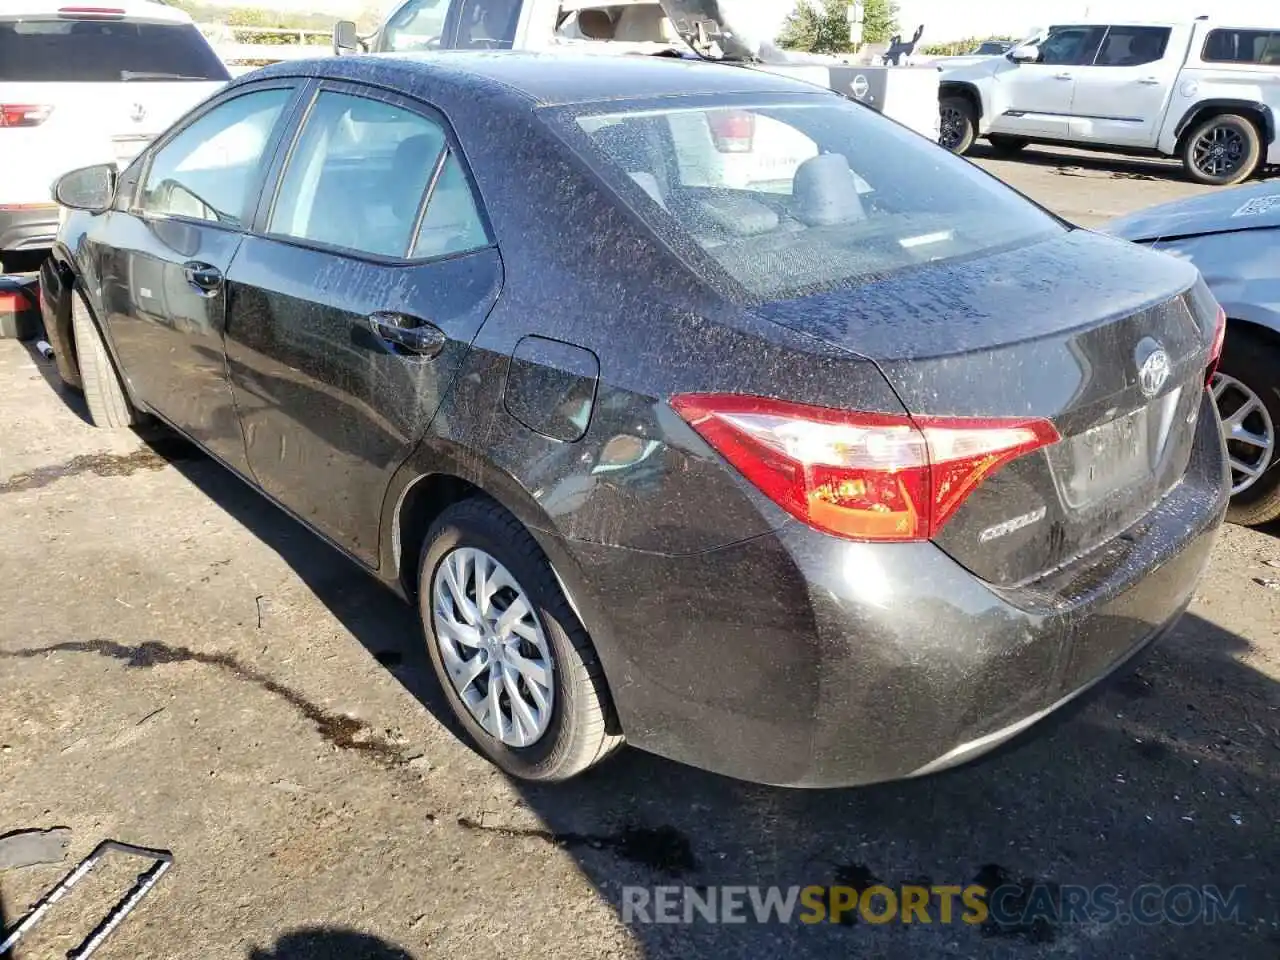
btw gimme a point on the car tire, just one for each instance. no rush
(579, 729)
(1235, 134)
(958, 124)
(109, 407)
(1247, 380)
(1006, 145)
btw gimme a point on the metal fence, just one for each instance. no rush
(245, 47)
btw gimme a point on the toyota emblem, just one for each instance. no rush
(1153, 366)
(860, 87)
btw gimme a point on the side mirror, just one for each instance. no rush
(88, 188)
(345, 39)
(1027, 54)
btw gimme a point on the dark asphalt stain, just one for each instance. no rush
(661, 849)
(389, 658)
(156, 456)
(1032, 926)
(345, 733)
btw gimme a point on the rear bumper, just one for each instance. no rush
(799, 659)
(27, 228)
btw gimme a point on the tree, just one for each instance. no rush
(822, 26)
(879, 20)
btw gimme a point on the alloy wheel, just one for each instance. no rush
(493, 646)
(1247, 429)
(952, 123)
(1219, 151)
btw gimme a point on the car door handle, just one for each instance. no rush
(1150, 81)
(404, 334)
(1062, 76)
(205, 277)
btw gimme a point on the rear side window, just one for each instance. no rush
(1133, 46)
(1261, 47)
(795, 197)
(104, 51)
(209, 169)
(357, 178)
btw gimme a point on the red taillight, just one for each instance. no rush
(1215, 350)
(734, 131)
(864, 476)
(24, 114)
(14, 301)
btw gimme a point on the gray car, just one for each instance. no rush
(1233, 237)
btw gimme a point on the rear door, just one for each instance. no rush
(1121, 97)
(164, 260)
(353, 307)
(1039, 94)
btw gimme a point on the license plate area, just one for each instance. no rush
(1107, 458)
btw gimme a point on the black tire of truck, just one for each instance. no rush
(958, 124)
(1222, 150)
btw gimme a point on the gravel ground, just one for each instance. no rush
(187, 668)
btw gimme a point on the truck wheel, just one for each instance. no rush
(959, 124)
(1223, 150)
(1007, 145)
(104, 393)
(1247, 392)
(516, 665)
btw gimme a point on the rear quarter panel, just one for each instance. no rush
(1241, 268)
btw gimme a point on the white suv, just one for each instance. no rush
(1203, 91)
(87, 84)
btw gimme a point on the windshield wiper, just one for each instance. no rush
(126, 75)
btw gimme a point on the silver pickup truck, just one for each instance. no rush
(731, 32)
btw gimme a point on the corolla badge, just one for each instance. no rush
(138, 113)
(1153, 366)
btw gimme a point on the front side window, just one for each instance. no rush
(1065, 46)
(1133, 46)
(358, 176)
(418, 25)
(1260, 47)
(209, 170)
(791, 197)
(104, 51)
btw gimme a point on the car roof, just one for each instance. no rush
(153, 10)
(557, 78)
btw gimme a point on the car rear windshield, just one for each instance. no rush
(792, 197)
(104, 51)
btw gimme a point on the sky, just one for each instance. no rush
(943, 19)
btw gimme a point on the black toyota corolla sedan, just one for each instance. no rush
(693, 406)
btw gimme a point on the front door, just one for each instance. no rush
(353, 311)
(1121, 98)
(164, 288)
(1039, 94)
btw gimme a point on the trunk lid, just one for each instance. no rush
(1251, 207)
(1106, 340)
